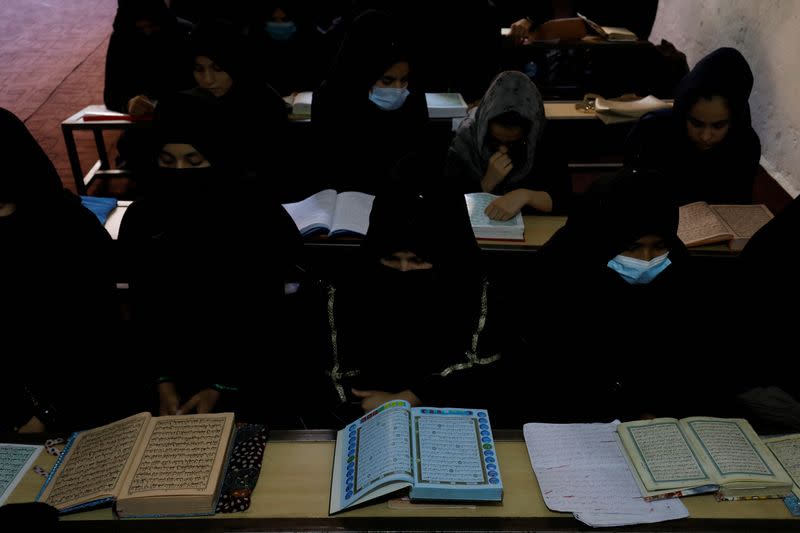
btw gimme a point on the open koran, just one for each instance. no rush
(332, 213)
(437, 453)
(486, 228)
(701, 223)
(149, 466)
(786, 449)
(701, 454)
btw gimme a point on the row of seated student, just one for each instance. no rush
(372, 89)
(291, 44)
(152, 53)
(602, 327)
(417, 319)
(172, 250)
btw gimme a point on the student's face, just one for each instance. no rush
(708, 122)
(279, 15)
(7, 209)
(405, 261)
(146, 27)
(211, 77)
(181, 156)
(396, 77)
(646, 248)
(504, 138)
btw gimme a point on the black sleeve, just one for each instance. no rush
(90, 265)
(462, 178)
(550, 174)
(745, 174)
(466, 378)
(645, 141)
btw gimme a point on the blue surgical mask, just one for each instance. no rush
(281, 31)
(388, 98)
(636, 271)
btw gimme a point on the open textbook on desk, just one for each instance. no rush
(486, 228)
(701, 223)
(702, 454)
(332, 213)
(148, 466)
(439, 453)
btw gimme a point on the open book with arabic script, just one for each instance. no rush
(702, 454)
(146, 465)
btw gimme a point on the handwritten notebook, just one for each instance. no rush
(440, 454)
(581, 470)
(148, 466)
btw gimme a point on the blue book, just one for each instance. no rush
(146, 466)
(436, 453)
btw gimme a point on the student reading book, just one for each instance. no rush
(486, 228)
(149, 466)
(332, 213)
(611, 33)
(439, 453)
(702, 454)
(446, 105)
(701, 223)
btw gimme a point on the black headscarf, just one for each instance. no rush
(221, 42)
(612, 214)
(405, 218)
(726, 172)
(191, 119)
(28, 177)
(49, 233)
(424, 318)
(723, 72)
(138, 64)
(619, 322)
(374, 42)
(131, 11)
(341, 105)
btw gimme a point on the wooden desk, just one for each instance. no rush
(103, 166)
(293, 491)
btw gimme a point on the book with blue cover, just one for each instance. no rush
(436, 453)
(144, 465)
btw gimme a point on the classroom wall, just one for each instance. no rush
(767, 32)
